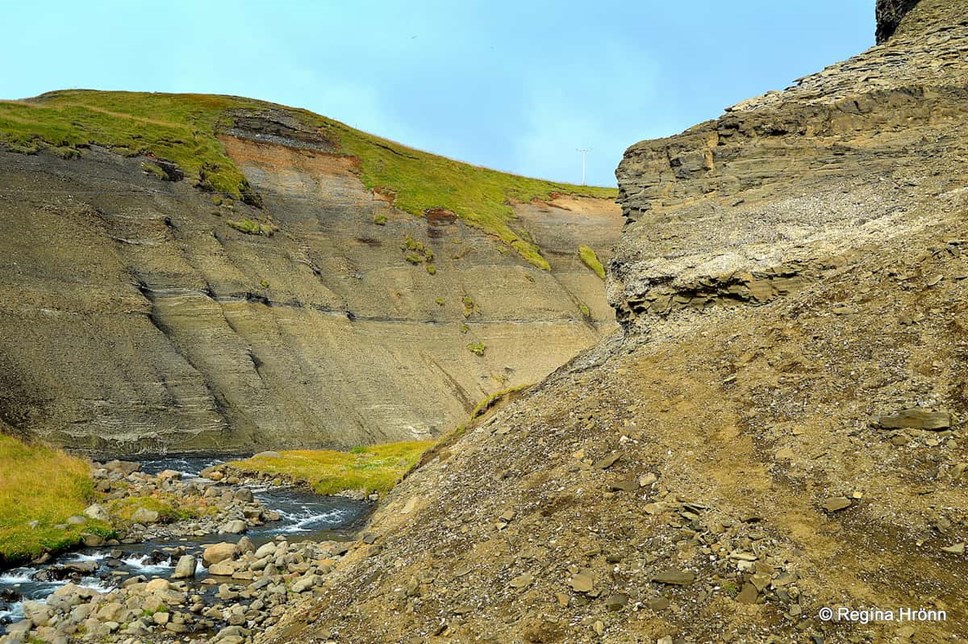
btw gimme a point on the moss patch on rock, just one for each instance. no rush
(590, 258)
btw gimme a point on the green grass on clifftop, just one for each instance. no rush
(376, 468)
(46, 486)
(184, 128)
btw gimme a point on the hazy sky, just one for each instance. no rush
(515, 85)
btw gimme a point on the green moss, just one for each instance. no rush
(154, 170)
(585, 311)
(416, 252)
(494, 399)
(380, 220)
(439, 301)
(252, 227)
(184, 129)
(469, 306)
(477, 348)
(590, 258)
(376, 468)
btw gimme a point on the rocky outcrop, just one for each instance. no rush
(787, 184)
(141, 314)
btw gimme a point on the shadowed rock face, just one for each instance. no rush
(889, 14)
(136, 318)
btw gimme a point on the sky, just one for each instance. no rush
(517, 85)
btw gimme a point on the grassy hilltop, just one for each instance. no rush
(184, 129)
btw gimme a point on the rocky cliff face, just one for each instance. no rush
(780, 430)
(889, 14)
(780, 188)
(142, 314)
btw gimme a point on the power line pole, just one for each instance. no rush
(584, 151)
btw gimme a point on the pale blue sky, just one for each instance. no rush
(515, 85)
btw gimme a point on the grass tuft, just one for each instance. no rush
(46, 486)
(252, 227)
(477, 348)
(590, 258)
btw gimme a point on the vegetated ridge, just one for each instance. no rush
(211, 273)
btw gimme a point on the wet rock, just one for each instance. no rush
(185, 568)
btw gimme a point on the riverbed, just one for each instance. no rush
(303, 517)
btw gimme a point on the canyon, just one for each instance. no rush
(146, 314)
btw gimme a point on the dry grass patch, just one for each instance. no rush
(46, 486)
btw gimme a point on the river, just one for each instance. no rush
(304, 516)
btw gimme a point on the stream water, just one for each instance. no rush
(305, 516)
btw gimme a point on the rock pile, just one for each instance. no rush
(245, 590)
(198, 506)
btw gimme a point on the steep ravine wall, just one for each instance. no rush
(135, 318)
(791, 282)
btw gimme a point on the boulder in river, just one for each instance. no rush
(219, 552)
(185, 568)
(236, 526)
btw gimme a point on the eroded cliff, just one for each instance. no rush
(147, 309)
